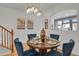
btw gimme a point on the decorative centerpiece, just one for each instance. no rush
(42, 35)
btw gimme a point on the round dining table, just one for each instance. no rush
(43, 46)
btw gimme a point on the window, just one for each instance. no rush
(67, 24)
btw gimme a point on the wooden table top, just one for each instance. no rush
(49, 43)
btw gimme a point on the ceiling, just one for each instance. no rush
(23, 6)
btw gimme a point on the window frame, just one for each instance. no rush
(70, 18)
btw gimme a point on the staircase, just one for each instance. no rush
(6, 38)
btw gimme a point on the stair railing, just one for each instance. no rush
(6, 38)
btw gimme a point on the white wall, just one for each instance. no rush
(8, 18)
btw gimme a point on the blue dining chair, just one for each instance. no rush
(68, 47)
(54, 36)
(30, 36)
(66, 50)
(21, 52)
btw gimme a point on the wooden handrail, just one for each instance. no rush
(5, 28)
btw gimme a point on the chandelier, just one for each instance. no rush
(34, 10)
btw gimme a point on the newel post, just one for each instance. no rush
(12, 41)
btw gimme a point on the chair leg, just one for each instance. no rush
(55, 49)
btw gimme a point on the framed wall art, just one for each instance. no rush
(46, 23)
(20, 23)
(29, 24)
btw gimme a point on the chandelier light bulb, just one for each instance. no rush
(35, 10)
(28, 10)
(32, 9)
(39, 13)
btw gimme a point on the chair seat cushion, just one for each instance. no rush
(31, 52)
(54, 53)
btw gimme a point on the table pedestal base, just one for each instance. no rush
(42, 51)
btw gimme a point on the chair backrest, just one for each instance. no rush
(18, 46)
(16, 40)
(54, 36)
(68, 47)
(30, 36)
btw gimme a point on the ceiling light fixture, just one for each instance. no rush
(34, 10)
